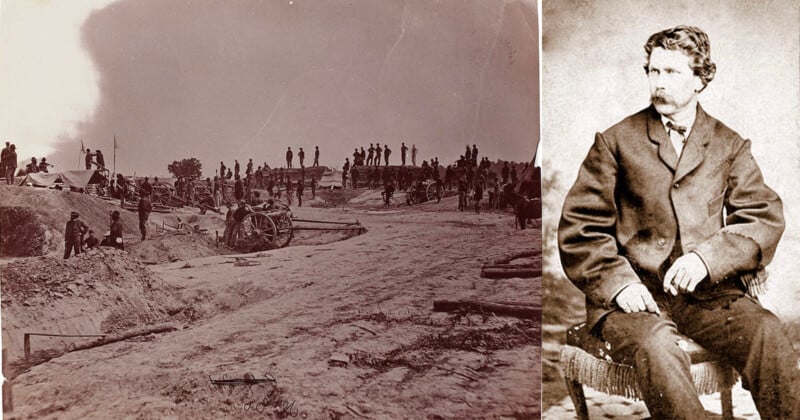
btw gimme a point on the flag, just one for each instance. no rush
(82, 148)
(115, 142)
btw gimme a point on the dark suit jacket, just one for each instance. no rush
(634, 208)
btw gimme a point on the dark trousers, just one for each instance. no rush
(143, 224)
(9, 173)
(735, 327)
(69, 246)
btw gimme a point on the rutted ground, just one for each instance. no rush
(366, 301)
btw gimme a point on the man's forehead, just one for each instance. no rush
(676, 59)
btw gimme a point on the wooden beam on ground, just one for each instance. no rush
(518, 311)
(512, 257)
(507, 271)
(113, 338)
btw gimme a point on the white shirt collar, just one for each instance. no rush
(688, 123)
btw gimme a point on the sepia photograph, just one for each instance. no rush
(271, 209)
(671, 214)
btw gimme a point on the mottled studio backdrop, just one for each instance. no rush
(592, 77)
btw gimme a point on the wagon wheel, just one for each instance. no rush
(256, 232)
(283, 225)
(430, 192)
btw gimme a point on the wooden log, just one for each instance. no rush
(525, 272)
(512, 257)
(124, 336)
(525, 312)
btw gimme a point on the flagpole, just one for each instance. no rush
(79, 155)
(115, 154)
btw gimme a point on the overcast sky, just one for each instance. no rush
(238, 79)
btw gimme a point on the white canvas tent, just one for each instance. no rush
(75, 179)
(331, 179)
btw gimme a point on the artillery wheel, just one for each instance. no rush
(283, 225)
(256, 232)
(430, 192)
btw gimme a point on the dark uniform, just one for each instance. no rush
(72, 235)
(300, 188)
(88, 159)
(145, 207)
(115, 235)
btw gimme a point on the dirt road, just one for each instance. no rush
(346, 329)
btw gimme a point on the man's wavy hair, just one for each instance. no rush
(693, 42)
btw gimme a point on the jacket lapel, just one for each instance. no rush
(658, 135)
(694, 151)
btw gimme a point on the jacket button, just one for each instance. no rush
(662, 241)
(676, 185)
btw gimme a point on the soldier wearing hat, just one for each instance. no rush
(10, 163)
(72, 234)
(32, 167)
(91, 241)
(43, 165)
(115, 233)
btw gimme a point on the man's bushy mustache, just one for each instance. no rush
(660, 98)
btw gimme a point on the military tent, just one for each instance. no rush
(74, 179)
(331, 179)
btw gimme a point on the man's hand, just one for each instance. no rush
(685, 274)
(636, 298)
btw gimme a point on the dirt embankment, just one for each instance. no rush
(99, 292)
(32, 222)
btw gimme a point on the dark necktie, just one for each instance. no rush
(678, 129)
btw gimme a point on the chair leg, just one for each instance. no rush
(575, 389)
(726, 396)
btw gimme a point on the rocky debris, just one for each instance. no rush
(50, 277)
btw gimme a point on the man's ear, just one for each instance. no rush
(698, 84)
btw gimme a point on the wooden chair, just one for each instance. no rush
(585, 361)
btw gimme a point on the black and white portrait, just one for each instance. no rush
(670, 136)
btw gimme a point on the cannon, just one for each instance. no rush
(261, 230)
(264, 229)
(425, 191)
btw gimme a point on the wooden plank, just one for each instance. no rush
(525, 312)
(525, 272)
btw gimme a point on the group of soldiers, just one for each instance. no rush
(99, 160)
(262, 178)
(372, 155)
(8, 163)
(301, 156)
(470, 175)
(78, 237)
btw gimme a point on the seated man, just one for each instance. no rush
(667, 224)
(91, 241)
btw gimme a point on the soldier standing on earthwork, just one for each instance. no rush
(378, 152)
(145, 207)
(72, 235)
(300, 188)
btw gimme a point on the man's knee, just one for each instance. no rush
(642, 334)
